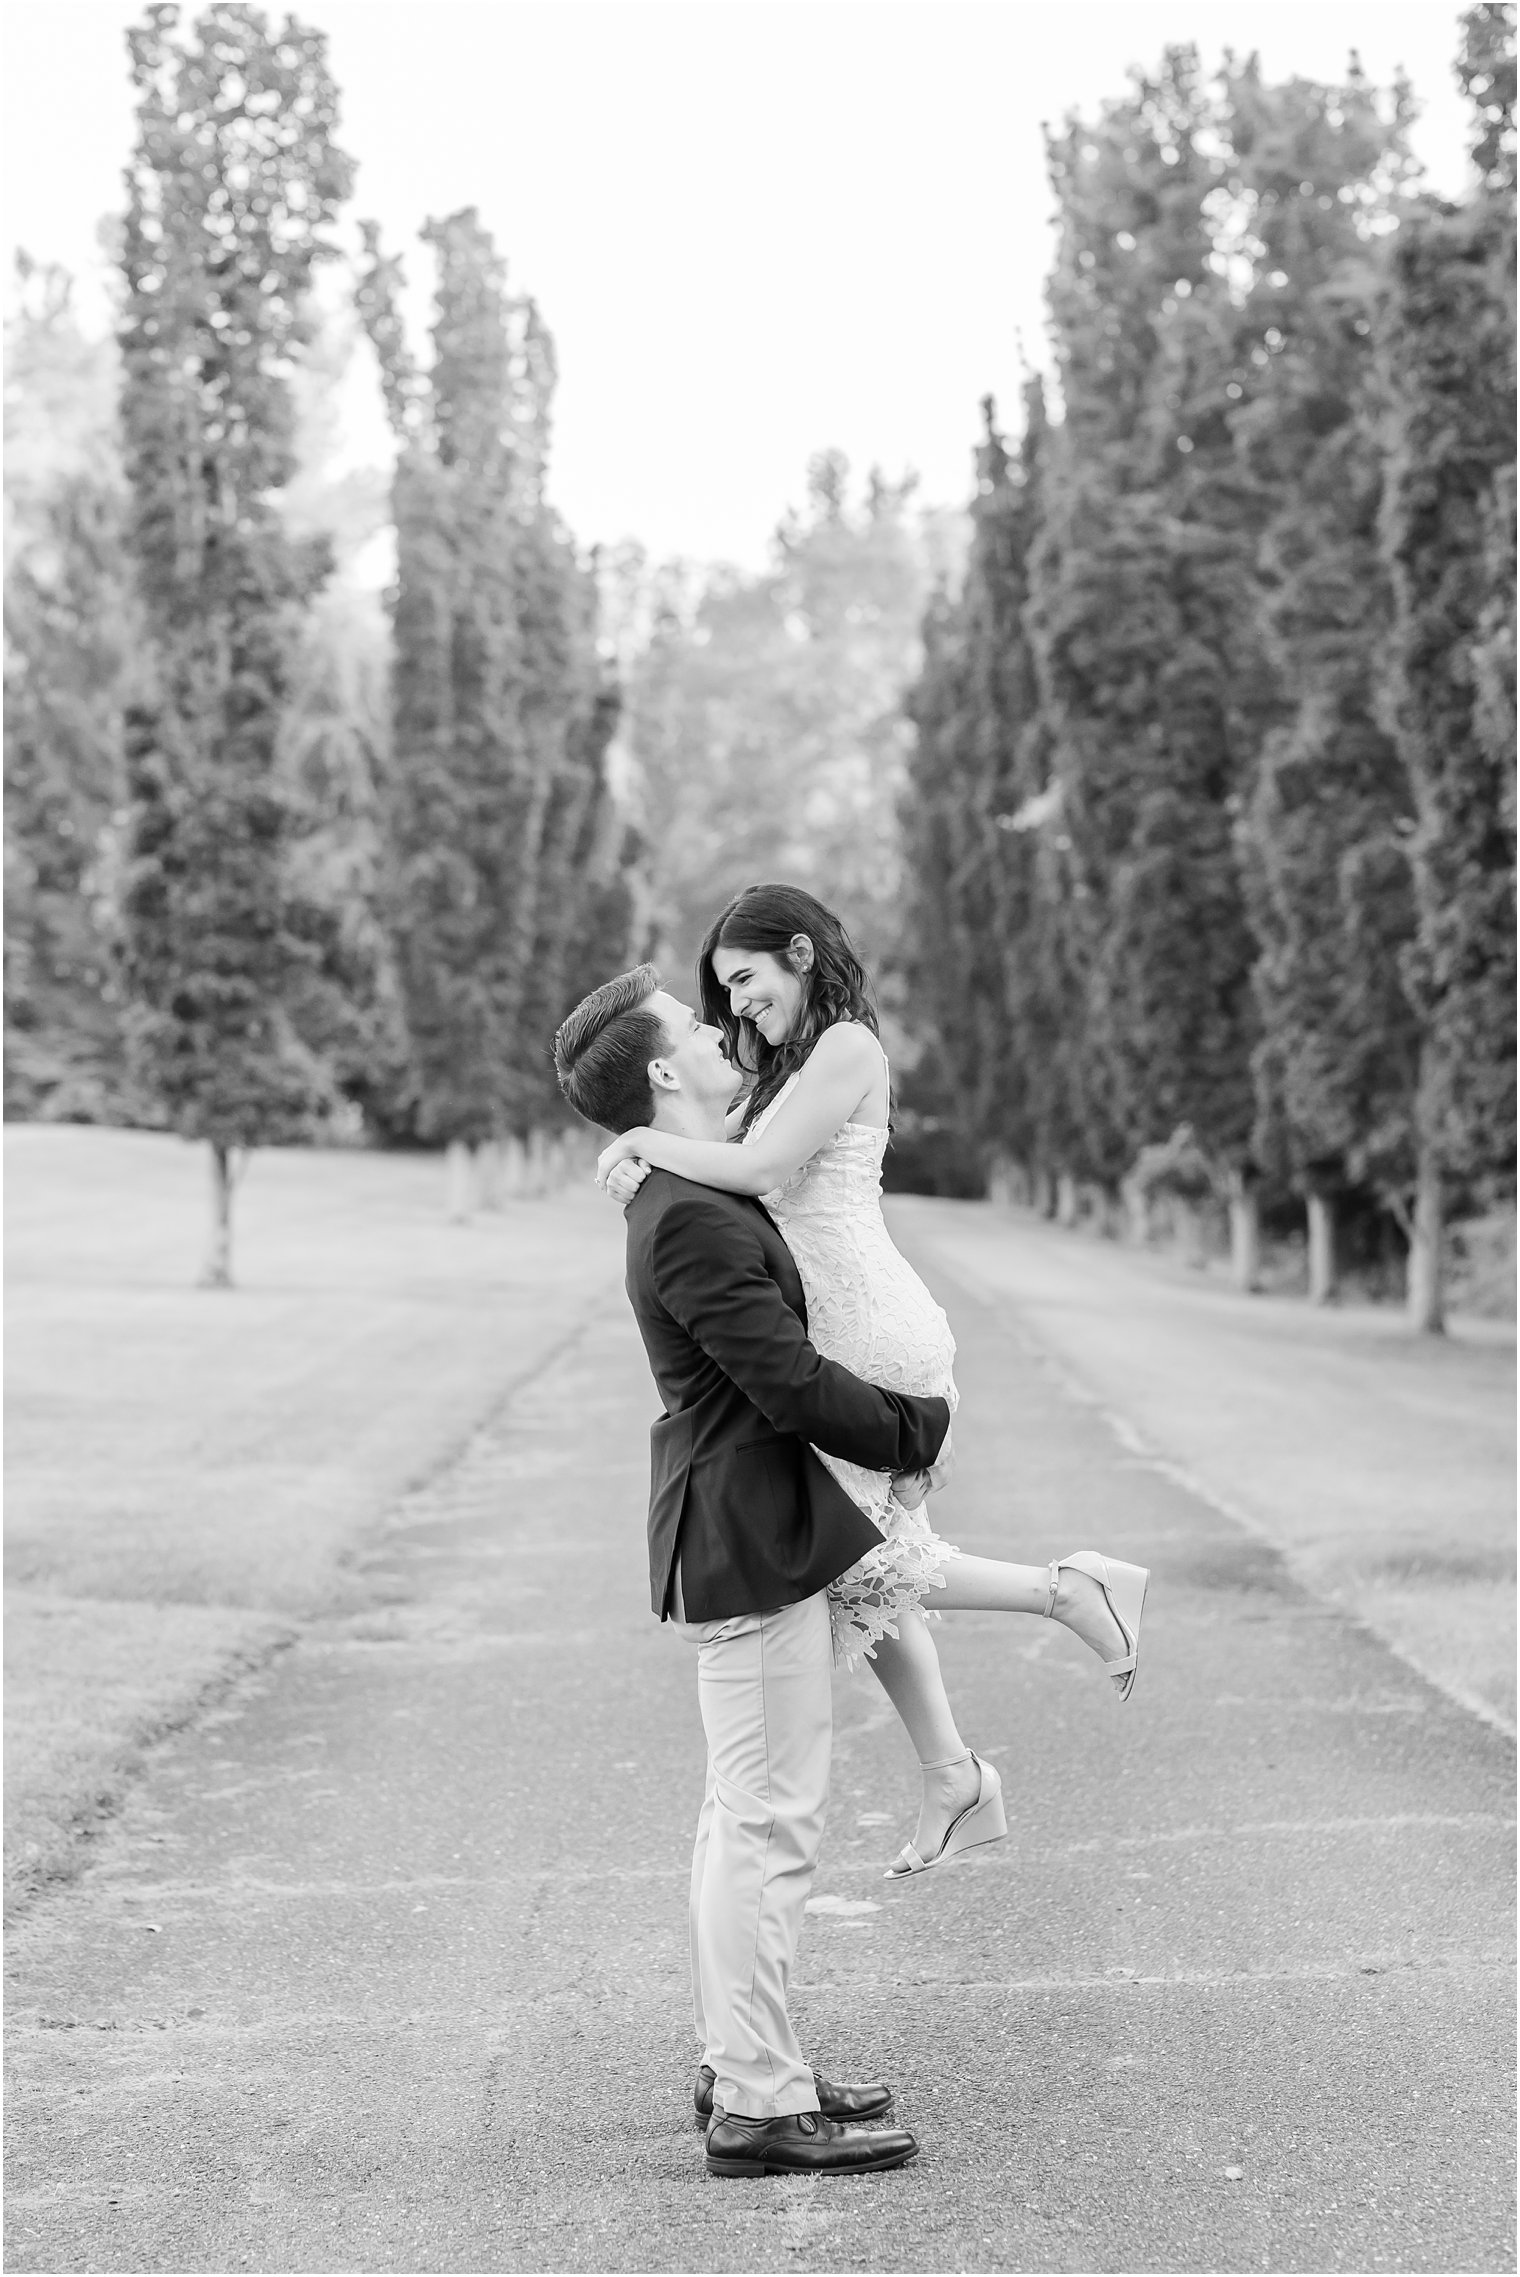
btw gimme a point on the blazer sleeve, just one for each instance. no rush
(710, 1274)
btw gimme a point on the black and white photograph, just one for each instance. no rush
(760, 955)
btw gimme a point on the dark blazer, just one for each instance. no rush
(758, 1521)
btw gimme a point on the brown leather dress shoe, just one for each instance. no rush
(867, 2099)
(804, 2143)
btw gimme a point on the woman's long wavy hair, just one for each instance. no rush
(835, 986)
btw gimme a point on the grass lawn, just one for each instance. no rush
(185, 1467)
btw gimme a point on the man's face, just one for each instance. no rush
(694, 1055)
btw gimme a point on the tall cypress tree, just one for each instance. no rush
(462, 810)
(1447, 348)
(947, 955)
(500, 715)
(1142, 633)
(1316, 176)
(951, 964)
(233, 178)
(987, 915)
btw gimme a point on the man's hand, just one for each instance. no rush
(625, 1178)
(943, 1465)
(911, 1488)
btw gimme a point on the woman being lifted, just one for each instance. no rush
(778, 975)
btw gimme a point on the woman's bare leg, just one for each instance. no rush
(993, 1585)
(907, 1667)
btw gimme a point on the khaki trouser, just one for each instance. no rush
(763, 1680)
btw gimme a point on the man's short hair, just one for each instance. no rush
(602, 1052)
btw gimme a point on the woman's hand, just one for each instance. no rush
(909, 1488)
(624, 1180)
(622, 1149)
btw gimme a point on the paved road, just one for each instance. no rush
(382, 1968)
(1382, 1463)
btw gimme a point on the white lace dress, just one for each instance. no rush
(868, 1310)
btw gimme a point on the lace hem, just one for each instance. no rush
(866, 1603)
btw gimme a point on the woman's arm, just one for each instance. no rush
(623, 1179)
(836, 1078)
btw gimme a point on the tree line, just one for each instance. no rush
(1172, 798)
(1212, 804)
(256, 892)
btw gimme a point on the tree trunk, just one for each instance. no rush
(1017, 1190)
(1245, 1234)
(1195, 1248)
(491, 1162)
(460, 1164)
(1137, 1215)
(1424, 1295)
(1042, 1193)
(1321, 1249)
(538, 1162)
(1066, 1199)
(218, 1272)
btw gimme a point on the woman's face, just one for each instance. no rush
(761, 989)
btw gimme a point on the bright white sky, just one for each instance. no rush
(757, 228)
